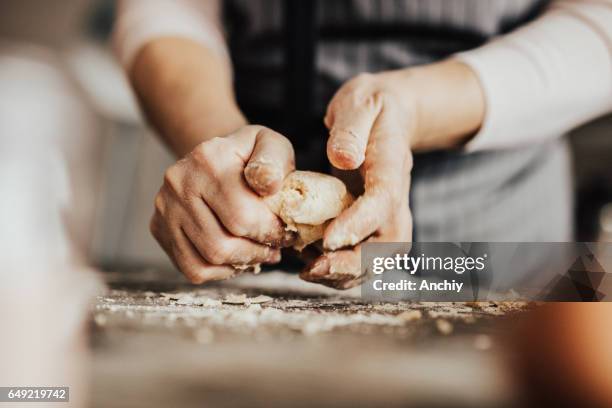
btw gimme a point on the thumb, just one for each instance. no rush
(271, 160)
(387, 181)
(350, 119)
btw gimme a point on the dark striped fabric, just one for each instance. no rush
(512, 195)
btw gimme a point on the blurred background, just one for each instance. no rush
(70, 128)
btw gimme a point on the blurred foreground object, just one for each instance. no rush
(47, 184)
(565, 355)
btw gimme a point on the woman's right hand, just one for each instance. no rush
(209, 214)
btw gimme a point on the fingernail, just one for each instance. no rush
(263, 175)
(346, 154)
(344, 158)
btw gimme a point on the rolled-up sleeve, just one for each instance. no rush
(547, 77)
(140, 21)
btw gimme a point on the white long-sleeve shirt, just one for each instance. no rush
(540, 80)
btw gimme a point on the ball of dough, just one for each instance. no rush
(307, 202)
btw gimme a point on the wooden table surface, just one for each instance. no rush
(159, 342)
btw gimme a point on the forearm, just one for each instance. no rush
(186, 92)
(450, 105)
(535, 83)
(547, 77)
(446, 100)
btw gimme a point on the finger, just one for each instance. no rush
(270, 162)
(217, 246)
(373, 212)
(350, 117)
(193, 266)
(243, 214)
(224, 189)
(387, 177)
(340, 269)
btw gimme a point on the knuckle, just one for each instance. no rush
(173, 178)
(204, 155)
(204, 151)
(207, 155)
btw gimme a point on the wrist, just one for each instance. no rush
(213, 122)
(186, 92)
(445, 101)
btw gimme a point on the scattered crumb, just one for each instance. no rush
(297, 303)
(185, 299)
(233, 299)
(242, 299)
(512, 306)
(219, 309)
(260, 299)
(444, 326)
(211, 302)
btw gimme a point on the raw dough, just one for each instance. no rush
(307, 202)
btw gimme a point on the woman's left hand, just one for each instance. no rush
(370, 129)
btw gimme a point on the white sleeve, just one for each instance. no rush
(547, 77)
(140, 21)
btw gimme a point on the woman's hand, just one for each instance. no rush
(375, 121)
(370, 129)
(209, 214)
